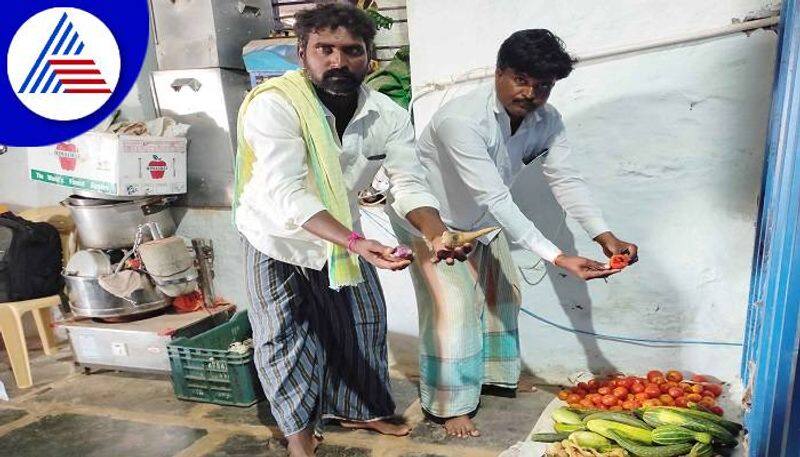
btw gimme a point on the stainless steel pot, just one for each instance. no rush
(112, 225)
(88, 299)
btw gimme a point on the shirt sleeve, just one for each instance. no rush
(463, 142)
(272, 129)
(569, 188)
(409, 188)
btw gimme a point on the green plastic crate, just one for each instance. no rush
(204, 370)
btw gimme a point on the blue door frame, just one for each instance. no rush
(772, 338)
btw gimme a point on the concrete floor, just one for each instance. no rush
(68, 413)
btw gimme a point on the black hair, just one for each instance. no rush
(536, 53)
(332, 16)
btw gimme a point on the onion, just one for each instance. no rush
(403, 252)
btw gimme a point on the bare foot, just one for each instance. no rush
(461, 426)
(381, 426)
(303, 444)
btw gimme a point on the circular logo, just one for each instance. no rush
(63, 64)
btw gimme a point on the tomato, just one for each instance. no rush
(675, 392)
(694, 397)
(717, 410)
(708, 402)
(641, 397)
(652, 390)
(573, 398)
(654, 374)
(697, 388)
(581, 392)
(674, 375)
(685, 386)
(652, 402)
(667, 400)
(616, 408)
(586, 403)
(604, 390)
(582, 385)
(629, 405)
(626, 383)
(699, 378)
(630, 397)
(637, 387)
(619, 261)
(658, 380)
(598, 399)
(609, 400)
(708, 393)
(563, 395)
(681, 401)
(620, 392)
(715, 388)
(593, 383)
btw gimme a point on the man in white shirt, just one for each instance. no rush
(321, 353)
(472, 150)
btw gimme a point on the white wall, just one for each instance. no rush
(671, 142)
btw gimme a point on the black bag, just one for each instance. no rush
(30, 259)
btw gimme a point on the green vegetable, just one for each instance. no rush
(635, 448)
(565, 416)
(583, 412)
(589, 439)
(618, 417)
(549, 437)
(605, 427)
(673, 434)
(733, 427)
(568, 428)
(659, 416)
(701, 450)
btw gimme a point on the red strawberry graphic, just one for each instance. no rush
(67, 154)
(157, 167)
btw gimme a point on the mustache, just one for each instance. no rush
(339, 73)
(526, 101)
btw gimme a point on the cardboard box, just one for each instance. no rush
(121, 166)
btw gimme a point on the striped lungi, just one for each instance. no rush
(467, 324)
(319, 353)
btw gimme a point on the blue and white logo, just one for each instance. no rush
(69, 65)
(63, 64)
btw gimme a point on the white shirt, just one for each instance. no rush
(472, 159)
(281, 196)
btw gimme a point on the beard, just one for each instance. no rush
(341, 81)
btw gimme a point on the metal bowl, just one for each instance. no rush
(88, 299)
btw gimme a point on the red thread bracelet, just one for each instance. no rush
(354, 236)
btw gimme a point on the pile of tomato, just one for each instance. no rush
(626, 393)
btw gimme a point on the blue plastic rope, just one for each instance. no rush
(600, 336)
(624, 339)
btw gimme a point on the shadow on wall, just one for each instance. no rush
(653, 167)
(536, 200)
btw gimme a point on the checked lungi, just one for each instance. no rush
(319, 353)
(467, 324)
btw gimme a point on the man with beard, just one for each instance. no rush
(309, 141)
(472, 150)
